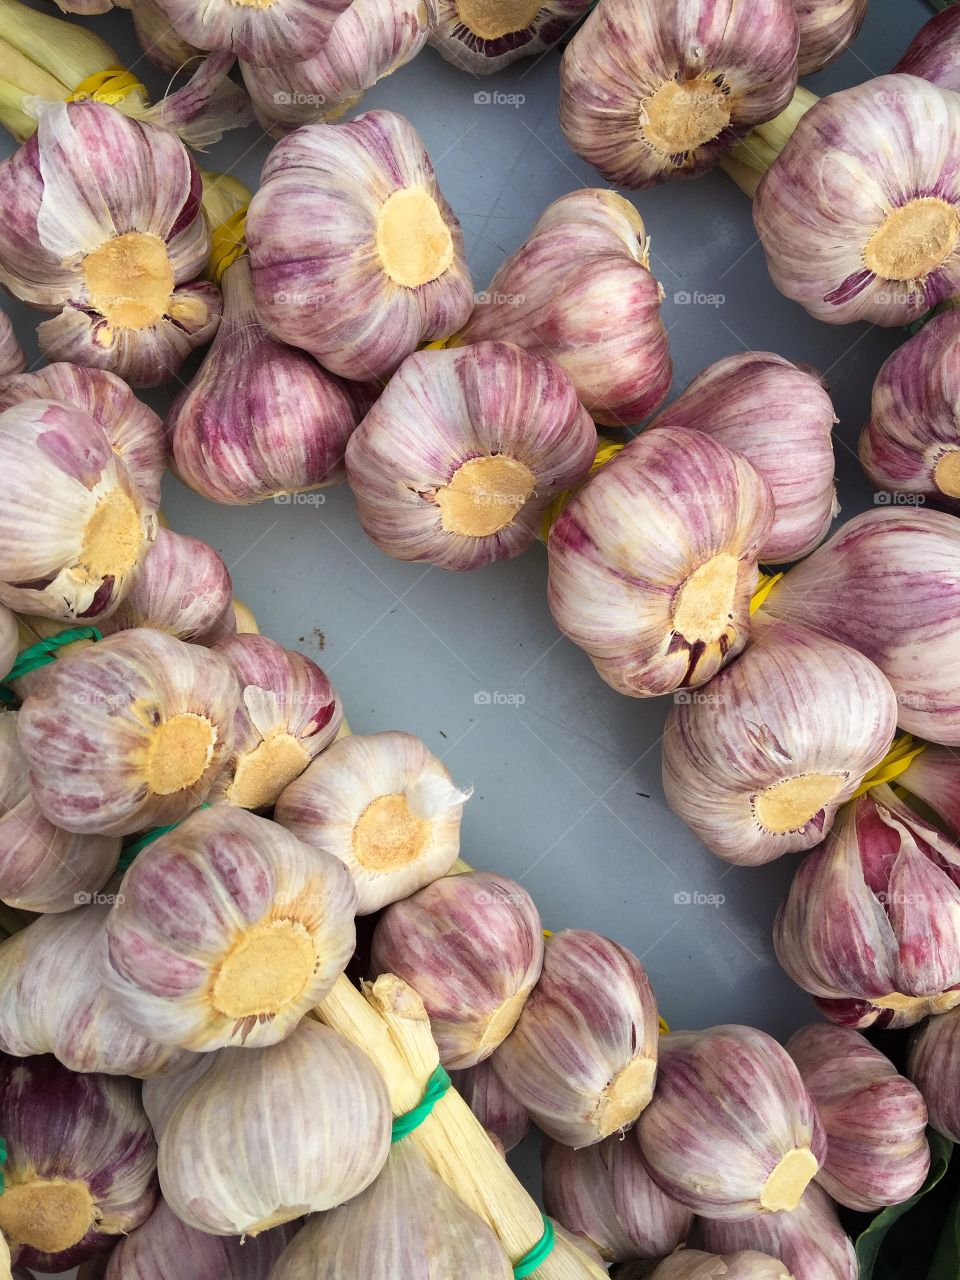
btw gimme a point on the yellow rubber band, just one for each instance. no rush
(606, 451)
(897, 760)
(110, 86)
(227, 243)
(441, 344)
(765, 584)
(664, 1026)
(548, 933)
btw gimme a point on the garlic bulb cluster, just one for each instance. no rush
(115, 261)
(653, 563)
(871, 923)
(386, 807)
(911, 444)
(459, 457)
(12, 357)
(128, 734)
(604, 1193)
(81, 1162)
(281, 31)
(314, 1099)
(874, 1119)
(471, 946)
(481, 38)
(653, 88)
(761, 764)
(780, 418)
(505, 1119)
(588, 255)
(827, 27)
(582, 1058)
(933, 777)
(357, 258)
(934, 52)
(745, 1264)
(932, 1066)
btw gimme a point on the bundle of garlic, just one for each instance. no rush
(114, 260)
(128, 734)
(874, 1119)
(12, 357)
(780, 418)
(604, 1192)
(315, 1100)
(827, 27)
(933, 777)
(505, 1119)
(871, 923)
(81, 1162)
(911, 444)
(357, 258)
(653, 563)
(459, 457)
(653, 88)
(932, 1066)
(587, 256)
(386, 807)
(694, 1264)
(264, 34)
(759, 765)
(888, 584)
(481, 38)
(582, 1057)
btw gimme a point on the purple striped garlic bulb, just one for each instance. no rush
(875, 1119)
(933, 1064)
(827, 27)
(471, 946)
(653, 563)
(888, 584)
(759, 764)
(694, 1264)
(933, 777)
(459, 457)
(911, 443)
(386, 807)
(76, 553)
(482, 38)
(604, 1192)
(262, 33)
(582, 1058)
(780, 418)
(934, 52)
(227, 931)
(314, 1099)
(653, 88)
(128, 734)
(81, 1164)
(12, 357)
(505, 1119)
(731, 1130)
(859, 215)
(357, 257)
(871, 922)
(588, 255)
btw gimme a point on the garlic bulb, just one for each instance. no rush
(9, 639)
(114, 261)
(859, 221)
(588, 255)
(652, 88)
(911, 444)
(481, 38)
(871, 923)
(780, 418)
(582, 1058)
(408, 1223)
(827, 27)
(874, 1119)
(934, 52)
(934, 778)
(158, 40)
(314, 1099)
(731, 1129)
(604, 1192)
(12, 357)
(459, 457)
(281, 31)
(759, 766)
(503, 1117)
(693, 1264)
(647, 576)
(471, 946)
(888, 583)
(357, 258)
(386, 807)
(128, 734)
(81, 1165)
(932, 1066)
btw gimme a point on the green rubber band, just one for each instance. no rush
(138, 846)
(44, 651)
(3, 1161)
(437, 1086)
(535, 1258)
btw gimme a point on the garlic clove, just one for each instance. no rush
(933, 777)
(934, 52)
(827, 27)
(693, 1264)
(483, 38)
(505, 1119)
(932, 1066)
(282, 31)
(12, 357)
(386, 807)
(582, 1058)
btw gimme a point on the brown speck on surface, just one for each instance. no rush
(320, 638)
(643, 794)
(442, 734)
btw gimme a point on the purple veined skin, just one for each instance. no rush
(283, 31)
(933, 777)
(933, 1064)
(12, 357)
(481, 39)
(506, 1120)
(934, 52)
(827, 28)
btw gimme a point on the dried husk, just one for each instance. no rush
(483, 38)
(693, 1264)
(933, 1065)
(505, 1119)
(827, 27)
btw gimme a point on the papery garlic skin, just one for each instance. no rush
(315, 1097)
(484, 38)
(160, 716)
(459, 457)
(158, 40)
(587, 256)
(693, 1264)
(827, 28)
(386, 807)
(858, 219)
(471, 946)
(583, 1056)
(9, 639)
(280, 31)
(871, 923)
(780, 418)
(503, 1117)
(760, 764)
(653, 563)
(934, 52)
(12, 357)
(653, 88)
(932, 1065)
(874, 1118)
(604, 1193)
(357, 272)
(934, 778)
